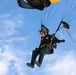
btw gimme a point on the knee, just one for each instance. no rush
(33, 51)
(41, 52)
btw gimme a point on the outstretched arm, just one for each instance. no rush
(58, 41)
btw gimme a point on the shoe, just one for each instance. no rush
(38, 64)
(30, 65)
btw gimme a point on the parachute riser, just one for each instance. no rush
(59, 27)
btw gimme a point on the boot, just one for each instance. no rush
(38, 64)
(30, 65)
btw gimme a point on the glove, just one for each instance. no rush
(62, 40)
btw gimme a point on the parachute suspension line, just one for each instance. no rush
(71, 10)
(58, 28)
(63, 34)
(32, 17)
(54, 13)
(71, 19)
(66, 13)
(71, 37)
(71, 14)
(63, 11)
(41, 17)
(45, 16)
(37, 42)
(48, 14)
(36, 16)
(44, 4)
(63, 16)
(64, 3)
(41, 23)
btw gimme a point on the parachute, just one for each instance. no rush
(54, 13)
(36, 4)
(45, 16)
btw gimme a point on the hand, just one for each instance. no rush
(62, 40)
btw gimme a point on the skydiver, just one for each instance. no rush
(47, 45)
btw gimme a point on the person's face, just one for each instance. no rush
(42, 34)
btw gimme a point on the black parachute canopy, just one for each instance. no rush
(39, 4)
(36, 4)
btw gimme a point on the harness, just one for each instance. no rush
(48, 43)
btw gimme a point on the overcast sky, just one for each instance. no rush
(19, 36)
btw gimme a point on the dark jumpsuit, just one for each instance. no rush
(44, 48)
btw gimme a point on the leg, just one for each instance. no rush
(41, 56)
(34, 55)
(33, 58)
(42, 53)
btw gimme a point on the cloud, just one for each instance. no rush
(63, 65)
(9, 59)
(3, 68)
(9, 23)
(12, 57)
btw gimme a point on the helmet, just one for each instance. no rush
(44, 29)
